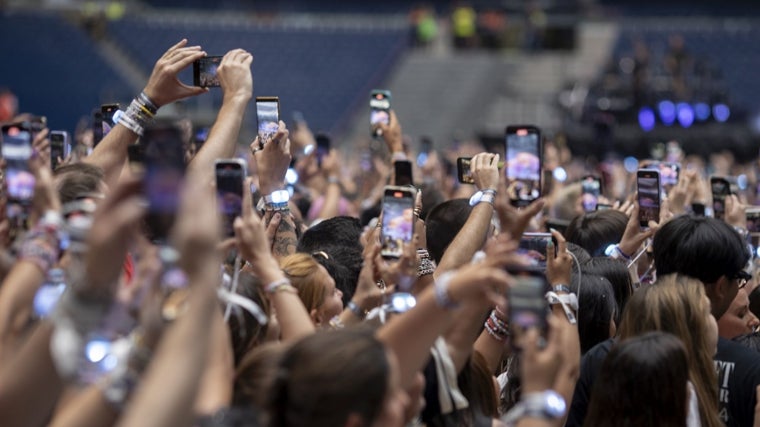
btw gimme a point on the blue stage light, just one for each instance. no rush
(667, 112)
(685, 114)
(721, 112)
(701, 111)
(646, 119)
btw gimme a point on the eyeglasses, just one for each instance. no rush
(743, 277)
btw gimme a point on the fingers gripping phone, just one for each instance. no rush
(268, 114)
(204, 71)
(534, 245)
(17, 150)
(753, 219)
(104, 121)
(398, 220)
(379, 109)
(648, 184)
(524, 158)
(164, 165)
(591, 187)
(721, 189)
(464, 171)
(230, 178)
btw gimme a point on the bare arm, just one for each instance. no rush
(163, 88)
(237, 84)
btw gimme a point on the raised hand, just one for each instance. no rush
(163, 85)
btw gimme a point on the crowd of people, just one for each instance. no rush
(296, 319)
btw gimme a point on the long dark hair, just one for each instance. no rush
(643, 382)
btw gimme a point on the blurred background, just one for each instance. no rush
(601, 76)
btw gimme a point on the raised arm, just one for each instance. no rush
(163, 88)
(473, 234)
(237, 85)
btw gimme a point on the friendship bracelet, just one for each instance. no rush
(569, 304)
(148, 103)
(426, 265)
(356, 310)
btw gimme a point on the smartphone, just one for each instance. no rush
(230, 179)
(591, 188)
(721, 189)
(164, 166)
(323, 147)
(60, 148)
(523, 148)
(648, 184)
(17, 150)
(398, 220)
(698, 209)
(534, 246)
(204, 71)
(753, 219)
(603, 206)
(379, 109)
(669, 173)
(527, 306)
(268, 114)
(402, 172)
(105, 120)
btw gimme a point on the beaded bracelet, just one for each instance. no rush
(426, 265)
(277, 285)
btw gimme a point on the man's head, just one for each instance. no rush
(706, 249)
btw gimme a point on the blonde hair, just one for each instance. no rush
(675, 304)
(302, 271)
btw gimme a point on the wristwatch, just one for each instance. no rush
(487, 196)
(547, 405)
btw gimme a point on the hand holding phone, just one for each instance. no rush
(20, 181)
(648, 183)
(527, 306)
(402, 173)
(524, 158)
(60, 148)
(205, 71)
(398, 220)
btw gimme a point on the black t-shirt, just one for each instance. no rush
(738, 376)
(591, 364)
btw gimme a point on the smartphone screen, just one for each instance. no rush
(721, 189)
(648, 184)
(268, 114)
(669, 173)
(402, 171)
(534, 245)
(753, 219)
(164, 174)
(464, 174)
(379, 108)
(591, 187)
(17, 149)
(523, 164)
(527, 305)
(426, 145)
(59, 147)
(204, 71)
(323, 147)
(230, 176)
(398, 220)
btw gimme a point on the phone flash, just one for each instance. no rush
(522, 132)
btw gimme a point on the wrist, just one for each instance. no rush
(154, 97)
(241, 97)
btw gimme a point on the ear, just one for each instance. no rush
(721, 293)
(316, 316)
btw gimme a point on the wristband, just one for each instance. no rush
(614, 252)
(562, 288)
(276, 285)
(569, 303)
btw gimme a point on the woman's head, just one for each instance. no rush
(597, 310)
(643, 380)
(315, 287)
(616, 272)
(677, 304)
(595, 231)
(337, 378)
(245, 331)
